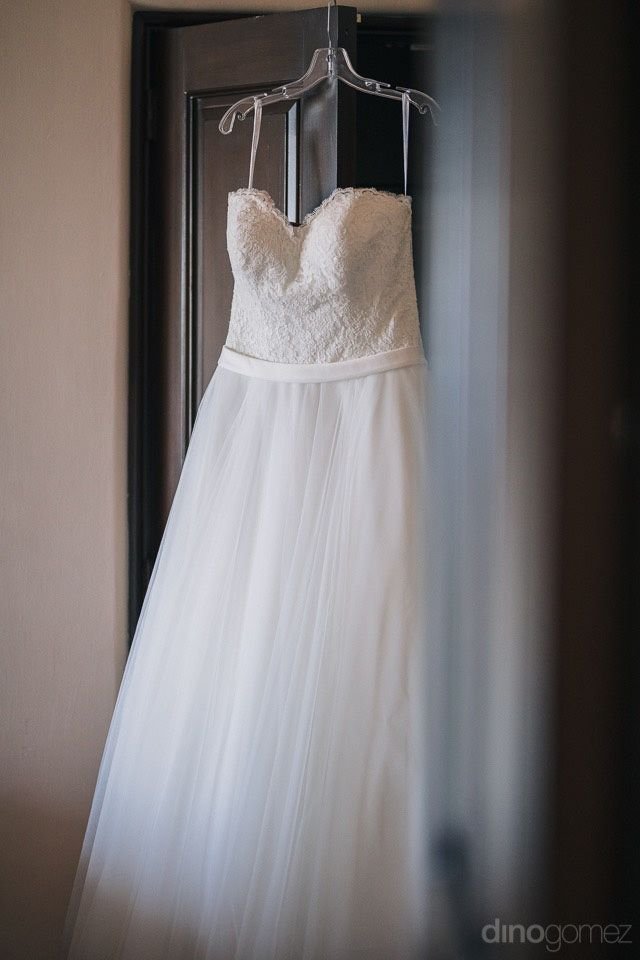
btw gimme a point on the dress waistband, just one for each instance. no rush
(317, 372)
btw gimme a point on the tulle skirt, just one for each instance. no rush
(261, 792)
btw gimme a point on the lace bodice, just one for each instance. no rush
(337, 286)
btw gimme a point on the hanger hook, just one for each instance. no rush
(330, 3)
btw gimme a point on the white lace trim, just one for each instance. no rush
(348, 191)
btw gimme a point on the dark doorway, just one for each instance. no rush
(186, 70)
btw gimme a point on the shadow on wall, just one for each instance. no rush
(36, 841)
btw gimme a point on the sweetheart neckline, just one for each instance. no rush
(403, 198)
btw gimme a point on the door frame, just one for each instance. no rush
(141, 500)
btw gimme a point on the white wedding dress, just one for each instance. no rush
(261, 792)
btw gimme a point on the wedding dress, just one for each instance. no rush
(261, 792)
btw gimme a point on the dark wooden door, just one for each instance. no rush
(306, 149)
(186, 71)
(184, 168)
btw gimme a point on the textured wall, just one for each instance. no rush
(63, 296)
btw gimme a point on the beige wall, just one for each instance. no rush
(63, 393)
(63, 438)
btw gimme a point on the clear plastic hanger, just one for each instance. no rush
(328, 63)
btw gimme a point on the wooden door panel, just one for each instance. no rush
(203, 69)
(184, 75)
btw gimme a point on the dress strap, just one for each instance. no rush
(405, 135)
(257, 119)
